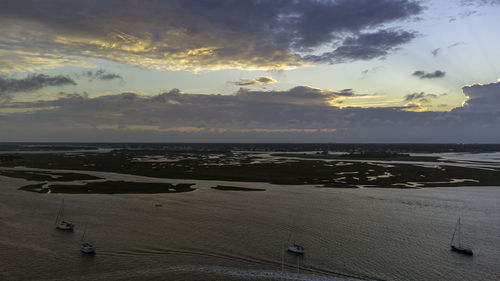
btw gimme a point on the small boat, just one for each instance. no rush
(459, 248)
(158, 204)
(60, 222)
(64, 225)
(296, 249)
(86, 247)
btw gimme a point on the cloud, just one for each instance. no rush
(468, 13)
(12, 60)
(296, 110)
(255, 82)
(480, 2)
(301, 114)
(64, 95)
(420, 97)
(198, 35)
(31, 83)
(101, 74)
(365, 46)
(429, 75)
(438, 51)
(370, 71)
(482, 98)
(301, 95)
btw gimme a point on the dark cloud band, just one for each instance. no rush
(195, 35)
(305, 111)
(365, 46)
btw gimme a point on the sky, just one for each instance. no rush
(398, 71)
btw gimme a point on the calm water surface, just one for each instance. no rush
(388, 234)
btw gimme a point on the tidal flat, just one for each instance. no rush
(339, 170)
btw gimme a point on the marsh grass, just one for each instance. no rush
(236, 188)
(47, 176)
(110, 187)
(201, 165)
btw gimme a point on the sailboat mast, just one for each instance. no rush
(282, 257)
(62, 210)
(459, 233)
(84, 231)
(453, 237)
(57, 217)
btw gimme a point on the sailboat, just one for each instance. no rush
(62, 224)
(459, 248)
(86, 247)
(296, 249)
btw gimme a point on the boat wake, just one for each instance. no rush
(209, 271)
(253, 273)
(310, 273)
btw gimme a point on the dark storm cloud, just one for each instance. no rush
(31, 83)
(101, 74)
(195, 34)
(420, 97)
(429, 75)
(365, 46)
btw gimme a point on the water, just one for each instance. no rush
(389, 234)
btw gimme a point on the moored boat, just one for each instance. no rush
(459, 248)
(64, 225)
(87, 248)
(60, 222)
(296, 249)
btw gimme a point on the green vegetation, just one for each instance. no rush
(236, 188)
(110, 187)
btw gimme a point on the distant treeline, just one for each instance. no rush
(273, 147)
